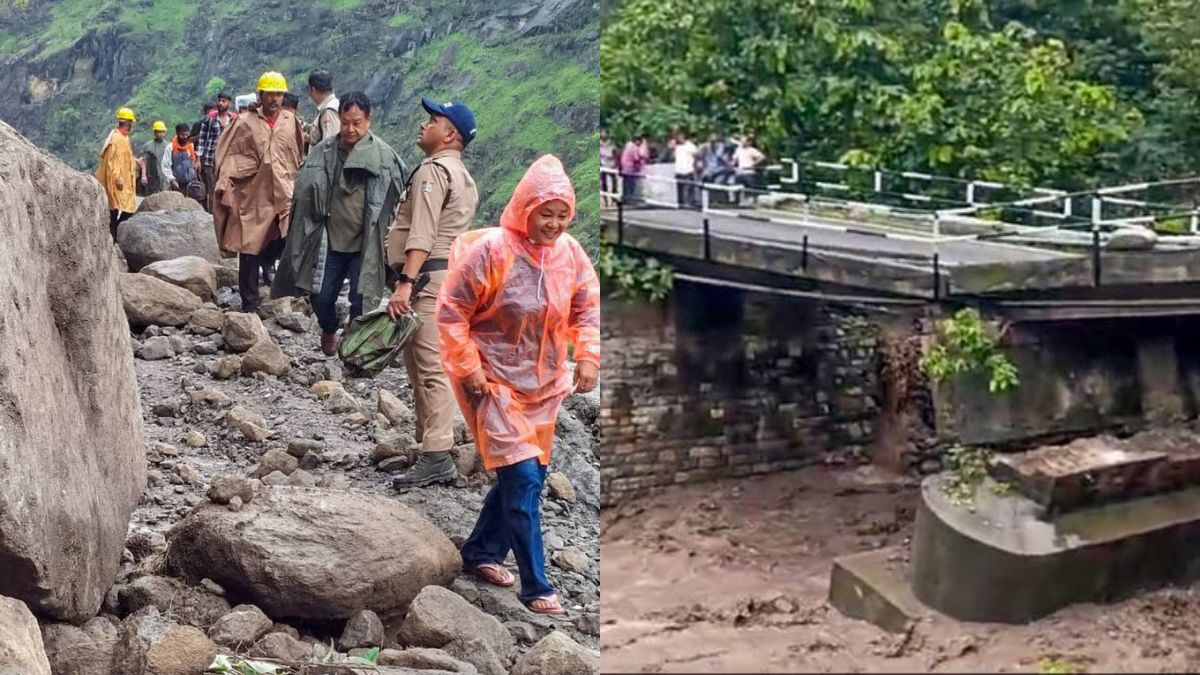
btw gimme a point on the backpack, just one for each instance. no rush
(181, 166)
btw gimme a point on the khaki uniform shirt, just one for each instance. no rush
(437, 208)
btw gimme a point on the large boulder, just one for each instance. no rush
(191, 272)
(150, 301)
(312, 553)
(166, 235)
(558, 654)
(72, 457)
(169, 201)
(21, 651)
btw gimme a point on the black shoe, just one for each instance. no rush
(432, 467)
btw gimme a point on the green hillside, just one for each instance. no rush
(529, 70)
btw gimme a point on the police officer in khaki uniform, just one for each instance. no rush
(439, 206)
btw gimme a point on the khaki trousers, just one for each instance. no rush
(434, 399)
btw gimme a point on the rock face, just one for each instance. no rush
(153, 302)
(315, 553)
(69, 409)
(169, 201)
(21, 651)
(558, 654)
(166, 235)
(191, 272)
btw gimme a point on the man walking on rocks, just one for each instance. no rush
(438, 206)
(345, 196)
(216, 122)
(156, 156)
(256, 163)
(116, 171)
(327, 123)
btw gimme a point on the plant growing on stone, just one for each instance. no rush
(625, 275)
(965, 343)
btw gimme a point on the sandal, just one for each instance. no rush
(495, 574)
(549, 605)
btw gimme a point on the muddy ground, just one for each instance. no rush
(733, 576)
(294, 412)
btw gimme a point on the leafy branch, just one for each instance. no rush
(626, 275)
(964, 343)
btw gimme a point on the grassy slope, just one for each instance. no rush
(167, 46)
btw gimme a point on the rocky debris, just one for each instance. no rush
(364, 629)
(241, 627)
(21, 650)
(180, 344)
(225, 488)
(152, 644)
(273, 309)
(560, 487)
(156, 349)
(393, 464)
(265, 357)
(425, 659)
(558, 654)
(303, 446)
(294, 321)
(188, 473)
(327, 388)
(195, 439)
(315, 553)
(227, 275)
(191, 272)
(302, 478)
(71, 446)
(122, 263)
(281, 646)
(582, 472)
(394, 409)
(80, 650)
(189, 605)
(165, 235)
(227, 367)
(570, 559)
(522, 632)
(144, 543)
(476, 651)
(208, 317)
(275, 460)
(168, 200)
(392, 445)
(251, 424)
(466, 459)
(439, 617)
(149, 301)
(588, 624)
(274, 479)
(209, 396)
(242, 331)
(340, 402)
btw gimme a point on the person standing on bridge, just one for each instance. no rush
(515, 297)
(608, 167)
(747, 160)
(685, 170)
(715, 165)
(116, 171)
(633, 160)
(439, 205)
(256, 164)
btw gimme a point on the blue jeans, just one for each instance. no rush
(338, 266)
(511, 519)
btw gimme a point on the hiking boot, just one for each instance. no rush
(329, 344)
(433, 467)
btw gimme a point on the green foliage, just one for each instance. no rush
(964, 344)
(968, 467)
(951, 88)
(368, 659)
(215, 86)
(625, 275)
(343, 5)
(1056, 666)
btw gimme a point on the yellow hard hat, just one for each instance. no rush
(159, 125)
(126, 114)
(272, 81)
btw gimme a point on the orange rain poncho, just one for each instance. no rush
(509, 306)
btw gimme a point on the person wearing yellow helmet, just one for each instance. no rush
(156, 161)
(116, 171)
(256, 164)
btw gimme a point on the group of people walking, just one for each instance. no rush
(334, 203)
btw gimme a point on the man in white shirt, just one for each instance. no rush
(685, 170)
(746, 161)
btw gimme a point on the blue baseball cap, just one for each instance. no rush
(457, 112)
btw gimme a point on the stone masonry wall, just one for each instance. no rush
(720, 383)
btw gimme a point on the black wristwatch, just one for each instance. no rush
(402, 278)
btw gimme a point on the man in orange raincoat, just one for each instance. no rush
(514, 297)
(116, 171)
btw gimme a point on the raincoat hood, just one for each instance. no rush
(546, 180)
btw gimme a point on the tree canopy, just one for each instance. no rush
(1072, 94)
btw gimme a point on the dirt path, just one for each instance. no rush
(733, 577)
